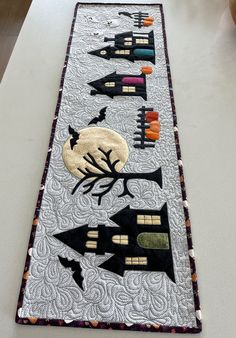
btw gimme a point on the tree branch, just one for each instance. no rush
(93, 162)
(115, 163)
(84, 172)
(104, 192)
(107, 159)
(97, 176)
(90, 185)
(126, 190)
(111, 173)
(78, 184)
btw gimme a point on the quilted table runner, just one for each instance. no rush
(111, 243)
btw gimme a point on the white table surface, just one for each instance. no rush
(202, 50)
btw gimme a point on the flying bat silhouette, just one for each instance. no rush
(100, 118)
(75, 137)
(126, 14)
(75, 267)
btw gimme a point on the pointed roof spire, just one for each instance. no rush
(124, 217)
(75, 238)
(104, 52)
(99, 84)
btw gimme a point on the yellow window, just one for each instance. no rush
(142, 41)
(110, 84)
(128, 89)
(136, 260)
(92, 234)
(122, 52)
(120, 239)
(91, 244)
(149, 219)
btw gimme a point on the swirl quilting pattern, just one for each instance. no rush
(138, 297)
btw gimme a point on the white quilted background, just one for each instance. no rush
(138, 297)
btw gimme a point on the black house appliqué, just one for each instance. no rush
(130, 46)
(116, 84)
(141, 242)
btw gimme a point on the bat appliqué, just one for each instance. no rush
(75, 137)
(75, 267)
(126, 14)
(100, 117)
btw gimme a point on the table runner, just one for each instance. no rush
(111, 244)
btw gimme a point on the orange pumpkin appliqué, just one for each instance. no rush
(146, 70)
(152, 135)
(148, 21)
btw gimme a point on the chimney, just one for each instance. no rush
(109, 39)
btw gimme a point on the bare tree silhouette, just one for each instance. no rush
(111, 173)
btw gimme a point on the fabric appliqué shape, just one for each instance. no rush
(141, 242)
(148, 128)
(100, 154)
(140, 18)
(126, 85)
(130, 46)
(101, 117)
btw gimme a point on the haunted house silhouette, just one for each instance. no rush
(129, 45)
(116, 84)
(140, 242)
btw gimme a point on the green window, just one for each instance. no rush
(150, 240)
